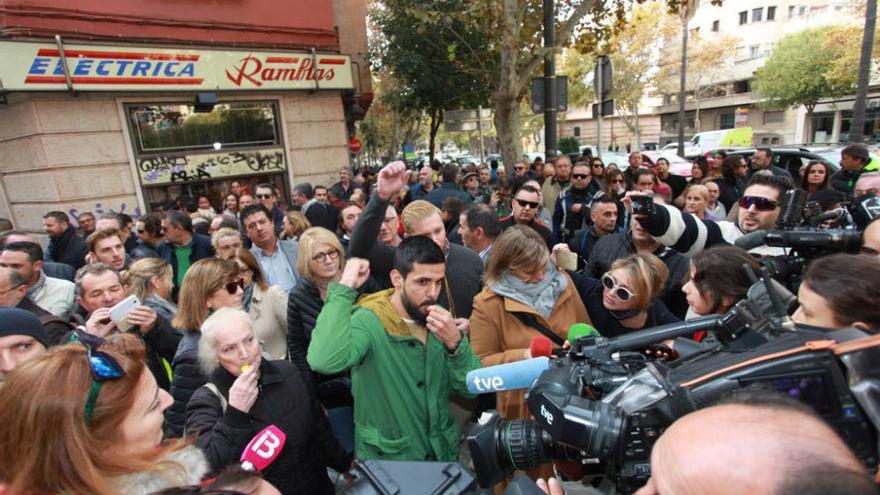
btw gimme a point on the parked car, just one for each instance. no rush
(690, 149)
(677, 164)
(791, 158)
(831, 153)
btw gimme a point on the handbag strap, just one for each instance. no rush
(529, 320)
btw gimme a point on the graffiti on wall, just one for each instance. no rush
(190, 168)
(98, 210)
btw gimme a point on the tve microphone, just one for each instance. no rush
(540, 346)
(510, 376)
(582, 330)
(263, 449)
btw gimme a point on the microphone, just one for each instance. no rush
(582, 330)
(263, 449)
(510, 376)
(540, 346)
(791, 209)
(752, 240)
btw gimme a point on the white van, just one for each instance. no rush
(727, 138)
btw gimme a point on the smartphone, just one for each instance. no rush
(121, 310)
(642, 204)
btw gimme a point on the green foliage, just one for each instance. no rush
(569, 144)
(799, 72)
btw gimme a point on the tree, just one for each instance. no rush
(425, 62)
(799, 72)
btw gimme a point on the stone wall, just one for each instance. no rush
(69, 153)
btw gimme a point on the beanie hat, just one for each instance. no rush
(14, 321)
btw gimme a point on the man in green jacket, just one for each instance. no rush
(405, 352)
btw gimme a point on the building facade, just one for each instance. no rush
(124, 106)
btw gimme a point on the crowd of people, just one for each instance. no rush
(143, 355)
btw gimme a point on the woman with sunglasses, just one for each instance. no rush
(208, 285)
(266, 304)
(614, 186)
(247, 393)
(87, 417)
(524, 297)
(320, 262)
(625, 299)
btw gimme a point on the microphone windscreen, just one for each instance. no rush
(509, 376)
(582, 330)
(263, 449)
(540, 346)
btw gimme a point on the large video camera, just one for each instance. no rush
(605, 404)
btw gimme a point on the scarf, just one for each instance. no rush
(33, 291)
(247, 297)
(541, 295)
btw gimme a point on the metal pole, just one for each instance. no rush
(480, 128)
(599, 90)
(681, 92)
(549, 80)
(858, 122)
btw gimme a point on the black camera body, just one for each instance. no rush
(604, 404)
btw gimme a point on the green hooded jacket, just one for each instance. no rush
(401, 387)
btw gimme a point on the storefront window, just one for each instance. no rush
(181, 154)
(823, 125)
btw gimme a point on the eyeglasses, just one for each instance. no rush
(263, 196)
(232, 287)
(617, 181)
(759, 202)
(622, 293)
(104, 367)
(580, 176)
(333, 254)
(531, 204)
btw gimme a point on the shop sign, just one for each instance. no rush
(741, 118)
(179, 169)
(27, 66)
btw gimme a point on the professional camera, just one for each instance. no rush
(605, 404)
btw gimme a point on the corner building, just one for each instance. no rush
(126, 105)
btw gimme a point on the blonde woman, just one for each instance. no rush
(266, 304)
(151, 280)
(696, 199)
(293, 225)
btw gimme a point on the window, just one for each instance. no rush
(771, 13)
(791, 11)
(802, 11)
(757, 14)
(774, 117)
(577, 131)
(743, 17)
(715, 26)
(727, 120)
(754, 51)
(163, 127)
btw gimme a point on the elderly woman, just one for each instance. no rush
(225, 242)
(245, 394)
(266, 304)
(625, 299)
(210, 284)
(87, 417)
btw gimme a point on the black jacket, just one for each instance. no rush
(446, 190)
(188, 377)
(543, 231)
(616, 246)
(284, 401)
(57, 328)
(304, 304)
(68, 248)
(677, 183)
(143, 250)
(464, 270)
(201, 249)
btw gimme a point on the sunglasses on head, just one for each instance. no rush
(759, 202)
(104, 367)
(581, 176)
(531, 204)
(232, 287)
(622, 293)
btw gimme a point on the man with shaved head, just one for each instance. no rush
(758, 445)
